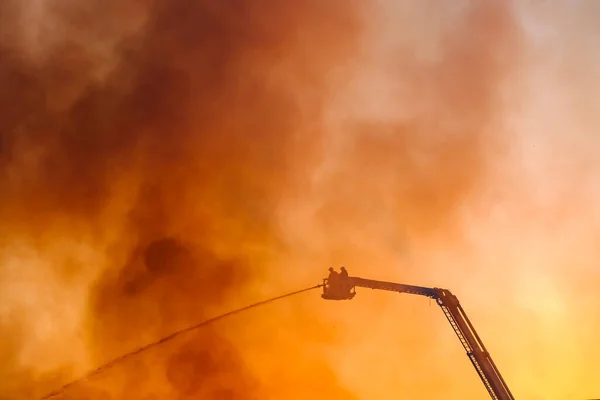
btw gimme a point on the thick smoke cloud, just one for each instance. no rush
(408, 166)
(144, 149)
(162, 162)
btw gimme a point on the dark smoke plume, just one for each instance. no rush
(159, 137)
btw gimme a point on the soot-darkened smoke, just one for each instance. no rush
(160, 135)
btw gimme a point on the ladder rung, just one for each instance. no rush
(486, 383)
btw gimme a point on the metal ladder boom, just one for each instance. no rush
(464, 330)
(476, 351)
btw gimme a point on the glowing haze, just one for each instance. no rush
(162, 162)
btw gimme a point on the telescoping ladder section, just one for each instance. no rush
(476, 351)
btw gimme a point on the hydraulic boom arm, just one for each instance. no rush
(344, 289)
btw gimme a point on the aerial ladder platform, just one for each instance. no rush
(343, 287)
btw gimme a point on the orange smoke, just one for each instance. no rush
(163, 162)
(144, 155)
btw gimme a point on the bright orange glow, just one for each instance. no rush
(163, 162)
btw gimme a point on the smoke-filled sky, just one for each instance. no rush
(165, 161)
